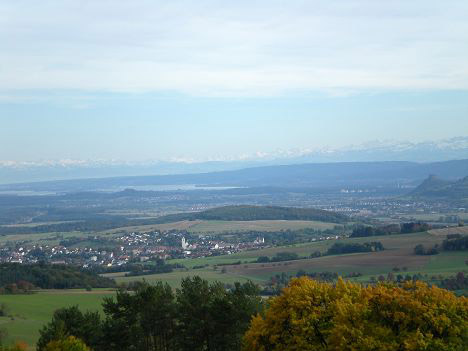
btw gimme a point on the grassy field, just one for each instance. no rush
(35, 224)
(30, 312)
(50, 238)
(391, 242)
(398, 253)
(174, 278)
(435, 216)
(201, 226)
(447, 263)
(452, 230)
(238, 226)
(183, 225)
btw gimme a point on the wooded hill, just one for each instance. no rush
(256, 213)
(436, 188)
(227, 213)
(47, 276)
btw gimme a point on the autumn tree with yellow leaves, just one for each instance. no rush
(69, 343)
(346, 316)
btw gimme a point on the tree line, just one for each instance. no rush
(160, 266)
(456, 282)
(198, 316)
(420, 249)
(336, 249)
(284, 237)
(453, 242)
(279, 257)
(404, 228)
(47, 276)
(345, 248)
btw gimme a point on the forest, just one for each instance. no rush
(345, 248)
(46, 276)
(455, 243)
(255, 213)
(404, 228)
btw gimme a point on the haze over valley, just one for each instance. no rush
(233, 176)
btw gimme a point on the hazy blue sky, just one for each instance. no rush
(138, 80)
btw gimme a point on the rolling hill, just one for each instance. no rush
(436, 188)
(255, 213)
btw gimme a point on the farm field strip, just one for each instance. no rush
(46, 238)
(365, 263)
(174, 278)
(212, 226)
(260, 225)
(398, 253)
(452, 230)
(390, 242)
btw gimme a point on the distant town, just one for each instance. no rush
(131, 247)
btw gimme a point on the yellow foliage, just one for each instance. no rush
(67, 344)
(310, 315)
(18, 346)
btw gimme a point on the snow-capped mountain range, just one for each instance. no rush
(429, 151)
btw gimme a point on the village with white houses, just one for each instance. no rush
(128, 247)
(125, 248)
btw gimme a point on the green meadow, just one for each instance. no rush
(28, 313)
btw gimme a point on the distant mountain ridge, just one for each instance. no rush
(312, 175)
(377, 151)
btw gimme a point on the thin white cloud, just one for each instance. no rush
(233, 48)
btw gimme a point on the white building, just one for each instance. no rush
(185, 244)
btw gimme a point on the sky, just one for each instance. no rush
(200, 80)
